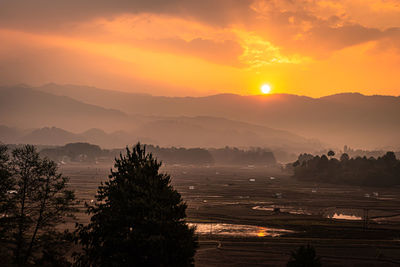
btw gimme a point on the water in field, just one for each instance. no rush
(237, 230)
(344, 214)
(341, 216)
(331, 213)
(278, 208)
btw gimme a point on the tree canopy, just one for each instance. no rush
(138, 219)
(34, 200)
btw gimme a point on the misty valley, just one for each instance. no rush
(256, 213)
(249, 208)
(224, 180)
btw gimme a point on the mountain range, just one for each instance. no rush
(349, 118)
(33, 116)
(114, 118)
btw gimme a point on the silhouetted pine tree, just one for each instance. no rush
(138, 219)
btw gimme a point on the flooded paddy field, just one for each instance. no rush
(255, 216)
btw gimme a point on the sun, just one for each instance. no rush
(266, 89)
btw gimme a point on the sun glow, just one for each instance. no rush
(266, 89)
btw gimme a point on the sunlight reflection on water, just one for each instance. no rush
(237, 230)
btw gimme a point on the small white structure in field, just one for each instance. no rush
(278, 195)
(252, 180)
(191, 187)
(91, 201)
(314, 190)
(376, 194)
(367, 195)
(272, 178)
(204, 201)
(12, 191)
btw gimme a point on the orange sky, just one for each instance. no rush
(191, 48)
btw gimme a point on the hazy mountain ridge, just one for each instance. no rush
(216, 132)
(72, 121)
(53, 136)
(347, 118)
(26, 108)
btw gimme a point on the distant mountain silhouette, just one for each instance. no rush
(349, 118)
(49, 136)
(74, 121)
(27, 108)
(58, 136)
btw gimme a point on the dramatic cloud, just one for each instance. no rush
(49, 13)
(162, 46)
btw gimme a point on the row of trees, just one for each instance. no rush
(175, 155)
(137, 220)
(75, 152)
(235, 156)
(381, 171)
(84, 152)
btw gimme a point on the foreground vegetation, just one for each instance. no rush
(34, 199)
(138, 219)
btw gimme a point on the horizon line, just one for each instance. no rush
(187, 96)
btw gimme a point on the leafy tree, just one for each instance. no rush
(331, 153)
(6, 184)
(304, 256)
(138, 219)
(37, 201)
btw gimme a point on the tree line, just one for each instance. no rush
(380, 171)
(84, 152)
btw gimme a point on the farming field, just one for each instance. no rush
(255, 215)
